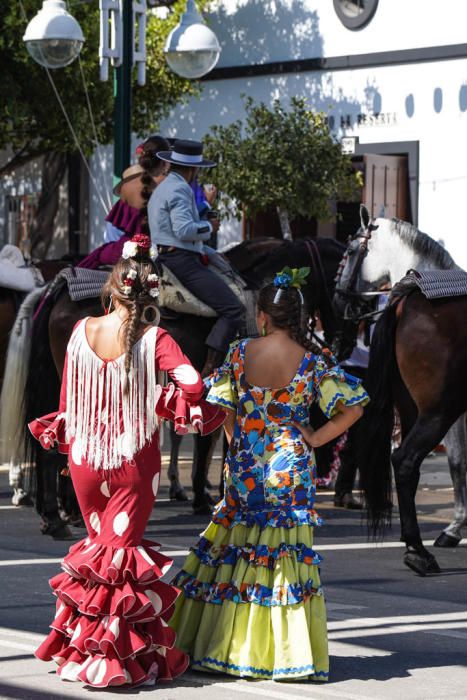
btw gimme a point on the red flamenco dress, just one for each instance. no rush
(111, 621)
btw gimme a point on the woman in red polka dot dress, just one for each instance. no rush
(110, 626)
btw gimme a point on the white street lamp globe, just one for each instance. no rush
(192, 49)
(53, 37)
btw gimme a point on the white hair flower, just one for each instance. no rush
(126, 290)
(153, 285)
(132, 274)
(153, 253)
(130, 250)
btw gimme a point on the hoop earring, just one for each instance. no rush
(150, 315)
(108, 309)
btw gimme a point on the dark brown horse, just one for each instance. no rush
(10, 301)
(256, 260)
(418, 363)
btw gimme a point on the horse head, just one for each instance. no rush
(363, 268)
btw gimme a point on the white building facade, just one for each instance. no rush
(391, 73)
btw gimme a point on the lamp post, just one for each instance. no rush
(54, 39)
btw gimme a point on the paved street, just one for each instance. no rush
(392, 634)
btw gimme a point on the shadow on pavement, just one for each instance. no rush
(385, 668)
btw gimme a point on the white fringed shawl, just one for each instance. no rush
(106, 425)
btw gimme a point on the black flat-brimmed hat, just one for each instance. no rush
(187, 153)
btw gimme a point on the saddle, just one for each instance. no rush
(433, 284)
(88, 284)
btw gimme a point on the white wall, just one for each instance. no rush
(267, 30)
(259, 31)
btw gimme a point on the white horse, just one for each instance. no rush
(379, 255)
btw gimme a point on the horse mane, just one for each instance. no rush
(422, 243)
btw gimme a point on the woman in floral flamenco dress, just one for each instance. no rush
(112, 610)
(252, 603)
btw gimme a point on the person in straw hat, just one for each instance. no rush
(128, 215)
(180, 234)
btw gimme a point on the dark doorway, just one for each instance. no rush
(390, 176)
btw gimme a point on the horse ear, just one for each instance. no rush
(364, 216)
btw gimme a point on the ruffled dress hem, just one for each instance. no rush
(252, 605)
(306, 672)
(111, 622)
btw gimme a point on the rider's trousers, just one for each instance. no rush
(207, 286)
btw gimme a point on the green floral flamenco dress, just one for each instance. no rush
(252, 604)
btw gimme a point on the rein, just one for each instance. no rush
(318, 276)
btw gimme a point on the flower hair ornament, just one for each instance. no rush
(139, 245)
(290, 277)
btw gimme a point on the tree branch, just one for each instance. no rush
(19, 159)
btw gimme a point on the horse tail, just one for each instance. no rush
(11, 400)
(375, 430)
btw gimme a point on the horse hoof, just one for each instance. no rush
(64, 534)
(202, 509)
(421, 565)
(77, 521)
(177, 493)
(209, 499)
(21, 498)
(61, 532)
(445, 540)
(347, 501)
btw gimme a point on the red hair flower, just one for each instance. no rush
(142, 241)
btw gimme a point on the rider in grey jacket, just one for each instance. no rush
(179, 234)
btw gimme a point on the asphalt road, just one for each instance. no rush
(392, 634)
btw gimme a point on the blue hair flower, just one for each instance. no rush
(283, 280)
(291, 277)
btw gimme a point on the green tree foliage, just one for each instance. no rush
(280, 158)
(31, 121)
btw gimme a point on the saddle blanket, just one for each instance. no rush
(88, 284)
(438, 284)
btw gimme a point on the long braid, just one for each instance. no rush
(131, 283)
(130, 336)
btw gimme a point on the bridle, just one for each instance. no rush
(358, 303)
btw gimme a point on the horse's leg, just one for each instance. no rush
(176, 491)
(456, 449)
(204, 447)
(68, 505)
(48, 466)
(423, 437)
(16, 480)
(215, 438)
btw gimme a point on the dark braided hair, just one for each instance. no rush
(288, 313)
(135, 302)
(152, 166)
